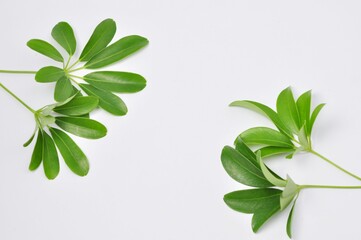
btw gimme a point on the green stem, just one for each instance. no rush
(326, 186)
(17, 98)
(18, 72)
(74, 76)
(334, 164)
(76, 69)
(67, 63)
(74, 64)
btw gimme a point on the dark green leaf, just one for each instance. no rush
(304, 108)
(107, 100)
(244, 150)
(37, 156)
(117, 51)
(242, 169)
(271, 151)
(63, 89)
(287, 110)
(264, 110)
(73, 156)
(122, 82)
(27, 143)
(49, 74)
(64, 35)
(289, 221)
(78, 106)
(82, 127)
(46, 49)
(262, 216)
(50, 157)
(265, 137)
(314, 115)
(101, 37)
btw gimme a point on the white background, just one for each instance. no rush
(157, 175)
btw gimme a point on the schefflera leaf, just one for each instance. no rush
(287, 110)
(37, 156)
(78, 106)
(64, 35)
(117, 51)
(49, 74)
(101, 37)
(50, 157)
(45, 48)
(107, 100)
(82, 127)
(121, 82)
(73, 156)
(262, 202)
(63, 89)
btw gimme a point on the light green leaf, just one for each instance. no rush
(101, 37)
(73, 156)
(82, 127)
(266, 137)
(46, 49)
(78, 106)
(289, 220)
(49, 74)
(63, 89)
(64, 35)
(272, 151)
(304, 108)
(117, 51)
(269, 175)
(289, 193)
(37, 155)
(264, 110)
(287, 110)
(50, 157)
(242, 169)
(303, 139)
(107, 100)
(122, 82)
(314, 115)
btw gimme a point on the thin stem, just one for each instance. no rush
(326, 186)
(18, 72)
(17, 98)
(74, 76)
(334, 164)
(75, 63)
(67, 63)
(71, 79)
(76, 69)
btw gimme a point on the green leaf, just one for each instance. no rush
(27, 143)
(122, 82)
(289, 221)
(289, 193)
(287, 110)
(266, 137)
(117, 51)
(272, 151)
(50, 157)
(37, 155)
(262, 216)
(314, 115)
(304, 108)
(73, 156)
(101, 37)
(266, 111)
(64, 35)
(63, 89)
(275, 180)
(245, 151)
(107, 100)
(82, 127)
(303, 139)
(46, 49)
(49, 74)
(78, 106)
(242, 169)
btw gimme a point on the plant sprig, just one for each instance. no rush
(244, 162)
(71, 112)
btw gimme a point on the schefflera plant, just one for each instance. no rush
(244, 162)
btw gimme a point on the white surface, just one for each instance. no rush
(157, 175)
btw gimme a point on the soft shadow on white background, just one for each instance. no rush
(157, 175)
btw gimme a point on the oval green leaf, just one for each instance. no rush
(64, 35)
(287, 110)
(289, 221)
(275, 180)
(101, 37)
(107, 100)
(265, 137)
(262, 216)
(272, 151)
(73, 156)
(37, 155)
(82, 127)
(117, 51)
(49, 74)
(46, 49)
(50, 157)
(63, 89)
(314, 115)
(78, 106)
(121, 82)
(304, 109)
